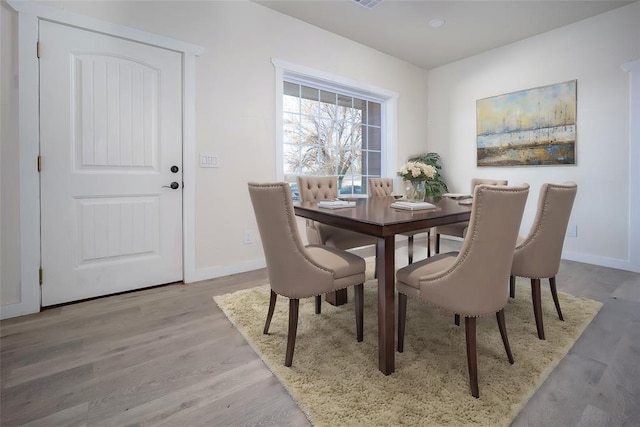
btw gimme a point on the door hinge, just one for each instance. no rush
(40, 275)
(39, 163)
(38, 49)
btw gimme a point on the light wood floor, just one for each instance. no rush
(168, 356)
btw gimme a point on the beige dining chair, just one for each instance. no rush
(538, 255)
(379, 187)
(383, 187)
(469, 282)
(315, 189)
(459, 229)
(296, 271)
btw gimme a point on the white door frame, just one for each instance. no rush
(28, 136)
(634, 164)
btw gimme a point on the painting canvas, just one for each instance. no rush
(529, 127)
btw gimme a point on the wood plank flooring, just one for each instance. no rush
(168, 356)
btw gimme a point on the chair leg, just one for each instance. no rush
(428, 243)
(512, 286)
(272, 306)
(359, 303)
(294, 304)
(503, 334)
(410, 249)
(472, 357)
(456, 319)
(554, 294)
(537, 306)
(437, 251)
(402, 320)
(318, 304)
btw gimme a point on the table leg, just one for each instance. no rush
(338, 297)
(385, 267)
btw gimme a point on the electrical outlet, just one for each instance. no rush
(248, 237)
(572, 230)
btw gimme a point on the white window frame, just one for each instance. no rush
(388, 100)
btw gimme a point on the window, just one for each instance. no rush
(328, 132)
(328, 124)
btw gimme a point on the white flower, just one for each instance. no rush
(413, 171)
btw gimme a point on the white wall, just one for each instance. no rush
(591, 51)
(235, 99)
(236, 118)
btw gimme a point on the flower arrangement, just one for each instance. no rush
(436, 187)
(422, 174)
(417, 171)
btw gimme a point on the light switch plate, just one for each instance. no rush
(209, 161)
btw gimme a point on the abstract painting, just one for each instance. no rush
(530, 127)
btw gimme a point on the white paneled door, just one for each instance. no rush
(111, 176)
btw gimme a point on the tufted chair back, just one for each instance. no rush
(383, 187)
(315, 188)
(379, 187)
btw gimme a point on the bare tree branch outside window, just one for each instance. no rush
(325, 134)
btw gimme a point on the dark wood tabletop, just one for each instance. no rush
(375, 217)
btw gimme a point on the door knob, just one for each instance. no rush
(175, 169)
(174, 185)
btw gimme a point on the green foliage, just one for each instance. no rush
(436, 186)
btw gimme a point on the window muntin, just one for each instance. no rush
(328, 132)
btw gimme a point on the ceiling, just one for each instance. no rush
(399, 27)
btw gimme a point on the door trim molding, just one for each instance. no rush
(81, 21)
(633, 68)
(28, 136)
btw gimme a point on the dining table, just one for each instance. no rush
(376, 217)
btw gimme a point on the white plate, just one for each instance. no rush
(457, 196)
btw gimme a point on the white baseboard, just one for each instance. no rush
(601, 261)
(587, 259)
(224, 270)
(17, 309)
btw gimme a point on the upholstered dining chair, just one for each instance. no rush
(314, 189)
(296, 271)
(538, 255)
(382, 187)
(460, 228)
(469, 282)
(379, 187)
